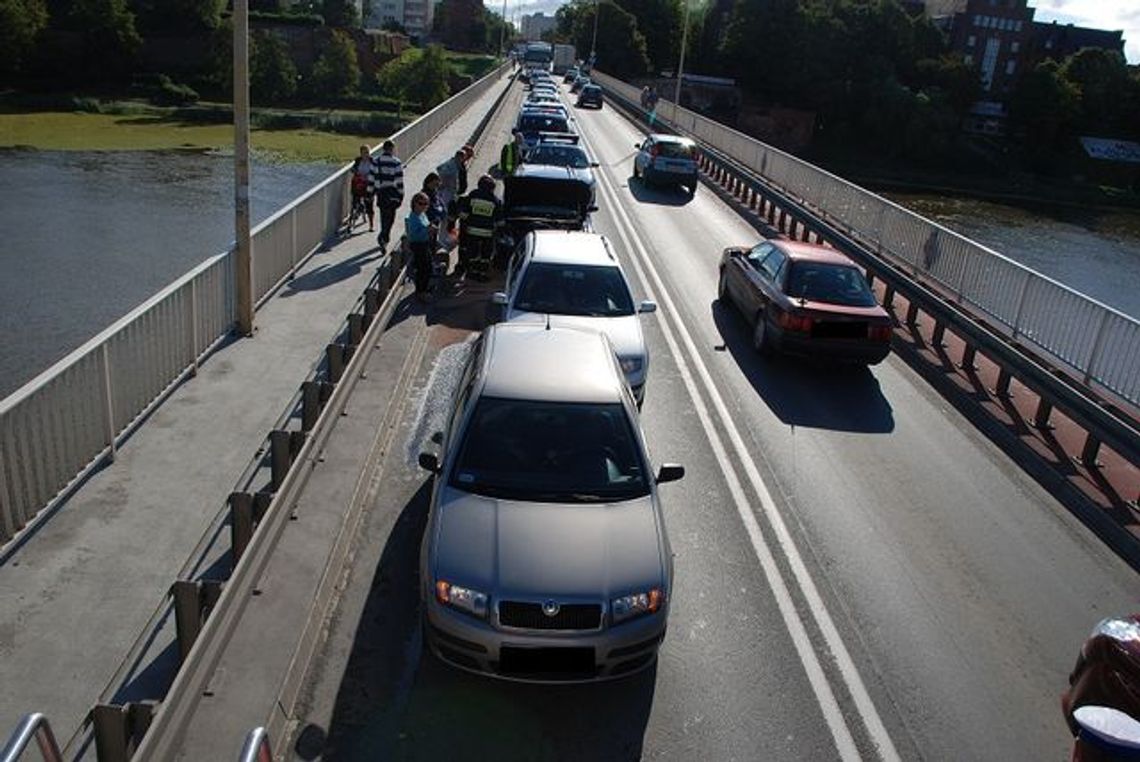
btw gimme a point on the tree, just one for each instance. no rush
(1044, 109)
(107, 33)
(1102, 78)
(272, 73)
(418, 75)
(177, 17)
(660, 22)
(621, 47)
(21, 22)
(339, 13)
(337, 71)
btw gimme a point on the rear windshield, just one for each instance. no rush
(830, 283)
(558, 155)
(592, 90)
(550, 452)
(675, 150)
(542, 123)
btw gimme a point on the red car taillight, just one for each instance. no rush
(797, 323)
(879, 333)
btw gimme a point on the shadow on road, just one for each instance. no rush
(662, 195)
(398, 702)
(327, 275)
(802, 393)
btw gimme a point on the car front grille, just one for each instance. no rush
(570, 616)
(839, 329)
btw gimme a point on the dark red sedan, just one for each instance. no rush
(1104, 687)
(805, 300)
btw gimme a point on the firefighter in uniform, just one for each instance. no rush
(479, 213)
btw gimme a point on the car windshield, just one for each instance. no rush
(559, 155)
(830, 283)
(565, 289)
(553, 452)
(542, 123)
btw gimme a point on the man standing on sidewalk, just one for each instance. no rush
(389, 189)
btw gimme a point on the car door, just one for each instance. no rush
(642, 160)
(738, 276)
(764, 280)
(514, 276)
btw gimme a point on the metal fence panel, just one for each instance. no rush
(56, 427)
(1097, 341)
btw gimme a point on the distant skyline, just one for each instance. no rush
(1098, 14)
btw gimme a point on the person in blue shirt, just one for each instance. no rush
(420, 232)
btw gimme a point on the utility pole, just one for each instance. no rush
(244, 276)
(681, 63)
(594, 44)
(503, 30)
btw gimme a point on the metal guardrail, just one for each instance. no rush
(1100, 343)
(69, 420)
(33, 727)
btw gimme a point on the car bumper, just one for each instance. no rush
(476, 646)
(850, 351)
(657, 177)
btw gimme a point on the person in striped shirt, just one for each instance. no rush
(389, 185)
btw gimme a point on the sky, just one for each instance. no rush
(1098, 14)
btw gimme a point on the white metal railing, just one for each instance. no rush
(68, 420)
(33, 727)
(1101, 343)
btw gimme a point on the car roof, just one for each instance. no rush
(810, 252)
(591, 86)
(572, 247)
(530, 361)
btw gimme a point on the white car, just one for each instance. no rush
(573, 279)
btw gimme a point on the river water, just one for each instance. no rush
(87, 237)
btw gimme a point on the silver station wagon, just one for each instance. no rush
(545, 556)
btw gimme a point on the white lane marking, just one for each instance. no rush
(842, 657)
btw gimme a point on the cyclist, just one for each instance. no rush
(363, 178)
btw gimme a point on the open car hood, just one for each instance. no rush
(555, 197)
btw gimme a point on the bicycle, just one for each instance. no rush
(359, 211)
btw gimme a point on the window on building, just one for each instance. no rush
(1017, 26)
(1010, 66)
(1014, 47)
(1049, 44)
(969, 59)
(971, 41)
(977, 20)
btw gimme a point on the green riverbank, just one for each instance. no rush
(290, 136)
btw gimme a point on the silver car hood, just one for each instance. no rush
(514, 549)
(623, 332)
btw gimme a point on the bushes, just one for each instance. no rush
(417, 76)
(337, 72)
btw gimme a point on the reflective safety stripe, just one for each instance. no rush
(481, 207)
(479, 232)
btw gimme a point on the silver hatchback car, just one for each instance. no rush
(545, 556)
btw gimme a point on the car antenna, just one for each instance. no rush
(548, 321)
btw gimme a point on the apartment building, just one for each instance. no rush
(533, 25)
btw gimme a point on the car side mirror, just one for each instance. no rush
(437, 437)
(429, 462)
(592, 208)
(669, 472)
(499, 298)
(647, 306)
(594, 164)
(637, 145)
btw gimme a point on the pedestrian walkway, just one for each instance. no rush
(80, 590)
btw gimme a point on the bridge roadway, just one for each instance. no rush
(859, 572)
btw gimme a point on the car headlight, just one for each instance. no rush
(631, 364)
(462, 598)
(630, 606)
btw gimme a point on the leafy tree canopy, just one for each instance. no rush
(21, 22)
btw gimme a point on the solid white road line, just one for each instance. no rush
(844, 742)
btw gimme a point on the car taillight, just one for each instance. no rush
(879, 333)
(797, 323)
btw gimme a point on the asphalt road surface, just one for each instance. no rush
(859, 574)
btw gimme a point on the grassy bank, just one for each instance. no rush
(148, 128)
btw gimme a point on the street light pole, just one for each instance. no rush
(243, 285)
(681, 63)
(594, 44)
(503, 29)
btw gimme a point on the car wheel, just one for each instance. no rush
(760, 336)
(722, 287)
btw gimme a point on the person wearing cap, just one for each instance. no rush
(512, 154)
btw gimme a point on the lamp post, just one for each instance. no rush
(503, 29)
(681, 63)
(243, 286)
(594, 44)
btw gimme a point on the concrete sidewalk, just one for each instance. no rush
(78, 593)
